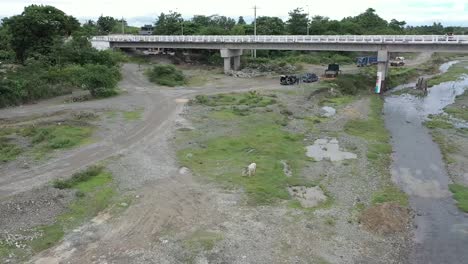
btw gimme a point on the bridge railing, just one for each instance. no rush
(289, 39)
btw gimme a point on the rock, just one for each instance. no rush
(124, 204)
(327, 111)
(286, 169)
(184, 170)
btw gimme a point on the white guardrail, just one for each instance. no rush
(290, 39)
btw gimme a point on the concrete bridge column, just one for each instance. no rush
(229, 55)
(382, 70)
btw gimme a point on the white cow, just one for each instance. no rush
(250, 170)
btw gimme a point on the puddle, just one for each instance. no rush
(419, 169)
(328, 149)
(308, 197)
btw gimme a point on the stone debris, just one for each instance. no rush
(286, 169)
(327, 111)
(328, 149)
(307, 196)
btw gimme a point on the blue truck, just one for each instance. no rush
(366, 61)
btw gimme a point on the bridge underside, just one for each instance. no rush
(231, 52)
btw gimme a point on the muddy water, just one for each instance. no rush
(441, 233)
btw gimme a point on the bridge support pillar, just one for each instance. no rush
(230, 55)
(382, 70)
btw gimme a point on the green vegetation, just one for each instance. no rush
(250, 99)
(338, 101)
(373, 130)
(379, 149)
(454, 73)
(8, 151)
(132, 115)
(79, 177)
(458, 111)
(446, 146)
(390, 194)
(223, 158)
(166, 75)
(47, 65)
(352, 84)
(202, 240)
(401, 75)
(438, 121)
(94, 192)
(460, 194)
(47, 138)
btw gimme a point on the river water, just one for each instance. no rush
(441, 233)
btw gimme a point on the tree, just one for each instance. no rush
(370, 21)
(270, 26)
(105, 24)
(168, 24)
(38, 29)
(241, 21)
(298, 22)
(397, 25)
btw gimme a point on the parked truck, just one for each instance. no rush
(398, 61)
(332, 71)
(365, 61)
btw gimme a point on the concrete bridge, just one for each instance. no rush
(231, 46)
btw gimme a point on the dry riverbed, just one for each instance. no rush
(363, 218)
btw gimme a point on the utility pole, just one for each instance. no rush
(123, 26)
(308, 16)
(255, 29)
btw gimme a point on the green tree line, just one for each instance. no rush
(45, 53)
(298, 23)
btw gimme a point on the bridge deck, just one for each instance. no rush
(350, 39)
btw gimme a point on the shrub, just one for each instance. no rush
(166, 75)
(100, 80)
(352, 84)
(78, 177)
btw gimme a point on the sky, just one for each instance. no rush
(139, 12)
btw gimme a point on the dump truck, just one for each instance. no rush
(366, 61)
(398, 61)
(332, 71)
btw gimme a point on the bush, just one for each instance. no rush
(352, 84)
(166, 75)
(78, 177)
(100, 80)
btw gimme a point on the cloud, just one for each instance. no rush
(142, 12)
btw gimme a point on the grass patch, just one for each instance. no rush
(445, 145)
(459, 113)
(51, 137)
(460, 194)
(222, 158)
(203, 240)
(372, 129)
(166, 75)
(338, 101)
(390, 194)
(8, 151)
(252, 99)
(454, 73)
(78, 178)
(132, 115)
(379, 150)
(97, 192)
(438, 122)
